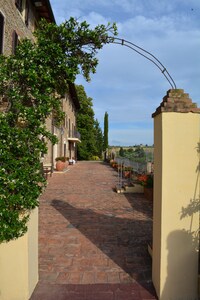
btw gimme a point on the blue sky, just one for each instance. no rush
(126, 85)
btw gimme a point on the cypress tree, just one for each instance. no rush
(105, 136)
(99, 138)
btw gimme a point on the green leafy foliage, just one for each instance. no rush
(121, 152)
(91, 134)
(73, 46)
(32, 83)
(137, 154)
(98, 138)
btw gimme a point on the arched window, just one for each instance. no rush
(1, 32)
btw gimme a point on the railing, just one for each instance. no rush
(74, 134)
(137, 167)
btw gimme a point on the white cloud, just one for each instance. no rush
(94, 19)
(127, 85)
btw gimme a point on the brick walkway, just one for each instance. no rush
(93, 241)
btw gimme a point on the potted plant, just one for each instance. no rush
(113, 163)
(147, 181)
(61, 163)
(127, 172)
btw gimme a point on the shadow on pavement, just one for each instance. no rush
(122, 240)
(90, 292)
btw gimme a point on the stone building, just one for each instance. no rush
(18, 20)
(67, 134)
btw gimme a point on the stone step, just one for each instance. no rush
(136, 188)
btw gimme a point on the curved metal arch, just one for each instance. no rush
(148, 56)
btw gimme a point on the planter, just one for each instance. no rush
(148, 193)
(61, 165)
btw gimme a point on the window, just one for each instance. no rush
(1, 32)
(65, 149)
(24, 9)
(18, 4)
(15, 42)
(69, 128)
(27, 13)
(65, 121)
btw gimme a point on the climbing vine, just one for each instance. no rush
(32, 83)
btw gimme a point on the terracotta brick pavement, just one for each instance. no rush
(93, 241)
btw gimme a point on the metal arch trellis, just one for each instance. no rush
(148, 56)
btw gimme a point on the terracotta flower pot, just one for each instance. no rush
(60, 165)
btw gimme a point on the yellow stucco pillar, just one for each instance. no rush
(176, 196)
(19, 264)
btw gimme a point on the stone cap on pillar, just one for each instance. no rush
(176, 101)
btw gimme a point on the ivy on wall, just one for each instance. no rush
(32, 83)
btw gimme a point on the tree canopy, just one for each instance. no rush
(32, 83)
(137, 154)
(91, 134)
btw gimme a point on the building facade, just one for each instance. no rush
(67, 134)
(18, 20)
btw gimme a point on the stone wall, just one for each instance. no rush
(63, 133)
(15, 21)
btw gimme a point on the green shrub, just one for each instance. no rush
(95, 157)
(62, 158)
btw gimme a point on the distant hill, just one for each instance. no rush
(145, 147)
(147, 150)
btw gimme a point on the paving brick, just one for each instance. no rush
(48, 276)
(75, 277)
(88, 277)
(101, 277)
(100, 296)
(63, 278)
(128, 295)
(93, 241)
(125, 278)
(113, 277)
